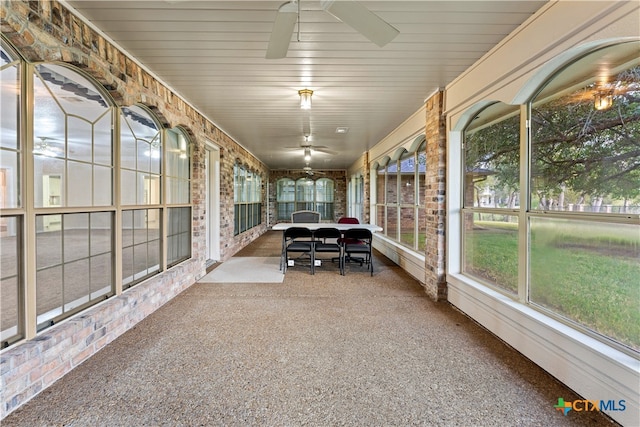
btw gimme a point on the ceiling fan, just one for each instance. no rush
(310, 149)
(351, 13)
(308, 170)
(46, 148)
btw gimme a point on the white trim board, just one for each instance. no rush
(591, 368)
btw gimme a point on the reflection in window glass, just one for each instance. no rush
(407, 180)
(10, 100)
(10, 280)
(324, 198)
(73, 263)
(491, 249)
(422, 209)
(178, 235)
(305, 194)
(492, 158)
(491, 185)
(400, 204)
(140, 245)
(140, 156)
(357, 197)
(178, 178)
(583, 259)
(70, 118)
(392, 183)
(588, 272)
(285, 198)
(585, 157)
(407, 198)
(9, 137)
(248, 199)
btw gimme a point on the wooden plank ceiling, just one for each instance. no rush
(212, 53)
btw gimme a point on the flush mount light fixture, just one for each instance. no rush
(603, 100)
(342, 129)
(305, 98)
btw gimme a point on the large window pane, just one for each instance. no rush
(140, 244)
(9, 179)
(102, 186)
(247, 199)
(391, 224)
(178, 235)
(588, 272)
(492, 158)
(407, 226)
(491, 249)
(285, 197)
(75, 237)
(49, 295)
(381, 217)
(10, 100)
(178, 168)
(305, 192)
(80, 184)
(380, 185)
(422, 211)
(50, 182)
(69, 256)
(80, 139)
(102, 152)
(141, 150)
(585, 158)
(422, 231)
(392, 183)
(10, 188)
(407, 180)
(69, 116)
(10, 290)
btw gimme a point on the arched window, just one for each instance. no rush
(355, 197)
(67, 145)
(178, 185)
(491, 196)
(11, 203)
(73, 177)
(567, 239)
(585, 193)
(400, 204)
(285, 198)
(141, 193)
(305, 194)
(324, 197)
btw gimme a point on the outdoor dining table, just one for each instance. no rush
(283, 226)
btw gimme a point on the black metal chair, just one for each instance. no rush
(358, 241)
(298, 240)
(305, 216)
(326, 241)
(342, 241)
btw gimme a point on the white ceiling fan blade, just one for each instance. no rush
(361, 19)
(282, 31)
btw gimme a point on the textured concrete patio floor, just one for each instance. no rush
(322, 350)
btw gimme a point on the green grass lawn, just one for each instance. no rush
(592, 278)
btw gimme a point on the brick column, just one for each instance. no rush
(435, 279)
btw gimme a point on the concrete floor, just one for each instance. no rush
(322, 350)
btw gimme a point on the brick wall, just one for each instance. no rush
(46, 31)
(435, 273)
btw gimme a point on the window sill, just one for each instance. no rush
(592, 368)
